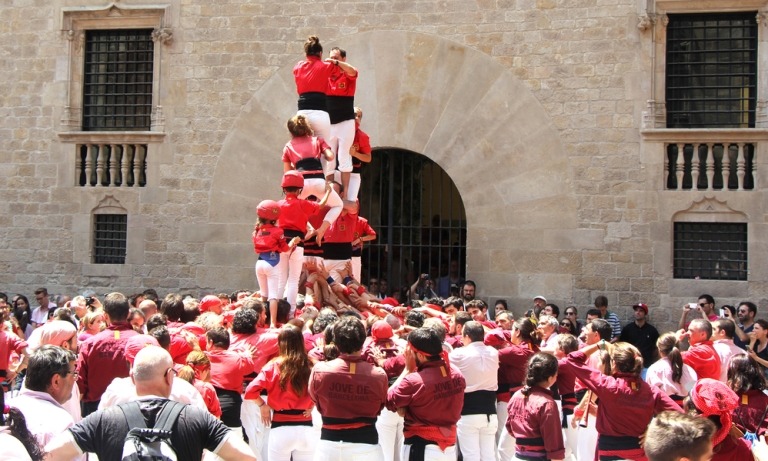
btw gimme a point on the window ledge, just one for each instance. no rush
(116, 137)
(705, 135)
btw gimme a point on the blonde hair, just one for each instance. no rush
(298, 126)
(627, 358)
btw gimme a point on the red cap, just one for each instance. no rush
(136, 343)
(642, 306)
(209, 302)
(292, 178)
(713, 398)
(381, 330)
(268, 209)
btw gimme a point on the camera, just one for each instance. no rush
(89, 301)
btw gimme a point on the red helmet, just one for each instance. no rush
(268, 209)
(292, 178)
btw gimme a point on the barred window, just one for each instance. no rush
(110, 234)
(711, 70)
(712, 251)
(117, 87)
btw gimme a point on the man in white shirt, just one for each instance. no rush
(723, 331)
(476, 430)
(51, 376)
(40, 313)
(548, 326)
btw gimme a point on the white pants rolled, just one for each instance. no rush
(586, 440)
(291, 264)
(320, 122)
(333, 266)
(257, 432)
(357, 267)
(346, 451)
(316, 187)
(433, 453)
(268, 277)
(389, 425)
(291, 442)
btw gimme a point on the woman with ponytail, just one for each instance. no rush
(627, 403)
(513, 361)
(289, 410)
(534, 420)
(670, 374)
(197, 372)
(311, 76)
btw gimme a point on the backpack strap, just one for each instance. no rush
(168, 415)
(133, 415)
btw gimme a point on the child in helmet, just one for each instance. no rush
(268, 243)
(294, 215)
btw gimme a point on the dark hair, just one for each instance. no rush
(324, 319)
(46, 362)
(672, 435)
(427, 341)
(763, 323)
(730, 308)
(330, 351)
(4, 296)
(65, 314)
(555, 309)
(572, 330)
(454, 301)
(702, 325)
(669, 347)
(414, 319)
(602, 328)
(151, 294)
(17, 427)
(283, 311)
(528, 331)
(254, 304)
(594, 312)
(727, 326)
(478, 303)
(468, 282)
(473, 330)
(295, 365)
(245, 321)
(349, 335)
(745, 374)
(116, 307)
(42, 291)
(503, 302)
(575, 310)
(601, 301)
(155, 321)
(22, 315)
(190, 313)
(172, 306)
(312, 46)
(541, 366)
(462, 317)
(342, 53)
(218, 337)
(708, 298)
(750, 306)
(162, 335)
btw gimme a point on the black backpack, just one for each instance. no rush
(150, 444)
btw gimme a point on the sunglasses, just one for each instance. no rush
(566, 324)
(570, 313)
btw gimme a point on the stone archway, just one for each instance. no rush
(423, 93)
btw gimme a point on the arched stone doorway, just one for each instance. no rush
(455, 105)
(418, 215)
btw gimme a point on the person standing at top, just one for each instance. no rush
(341, 110)
(311, 76)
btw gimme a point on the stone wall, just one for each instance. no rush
(533, 107)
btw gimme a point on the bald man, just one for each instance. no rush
(104, 432)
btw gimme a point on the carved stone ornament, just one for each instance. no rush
(644, 22)
(110, 204)
(163, 35)
(711, 205)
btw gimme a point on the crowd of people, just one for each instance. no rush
(316, 365)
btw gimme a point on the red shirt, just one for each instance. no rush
(752, 407)
(102, 359)
(303, 147)
(431, 396)
(348, 388)
(229, 369)
(9, 343)
(312, 74)
(362, 229)
(269, 238)
(363, 145)
(264, 341)
(340, 83)
(209, 397)
(627, 403)
(536, 416)
(279, 399)
(342, 230)
(513, 364)
(704, 360)
(295, 213)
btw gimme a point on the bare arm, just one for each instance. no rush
(235, 449)
(62, 448)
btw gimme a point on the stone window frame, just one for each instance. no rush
(654, 20)
(75, 21)
(96, 231)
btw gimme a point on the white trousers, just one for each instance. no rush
(477, 437)
(389, 425)
(343, 135)
(587, 440)
(257, 432)
(346, 451)
(291, 264)
(570, 435)
(354, 185)
(320, 122)
(268, 277)
(333, 266)
(316, 187)
(433, 453)
(357, 267)
(292, 442)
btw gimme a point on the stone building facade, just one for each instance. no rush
(548, 115)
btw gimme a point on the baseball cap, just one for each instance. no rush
(642, 306)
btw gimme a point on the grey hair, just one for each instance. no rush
(150, 364)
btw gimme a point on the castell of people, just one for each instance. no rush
(384, 230)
